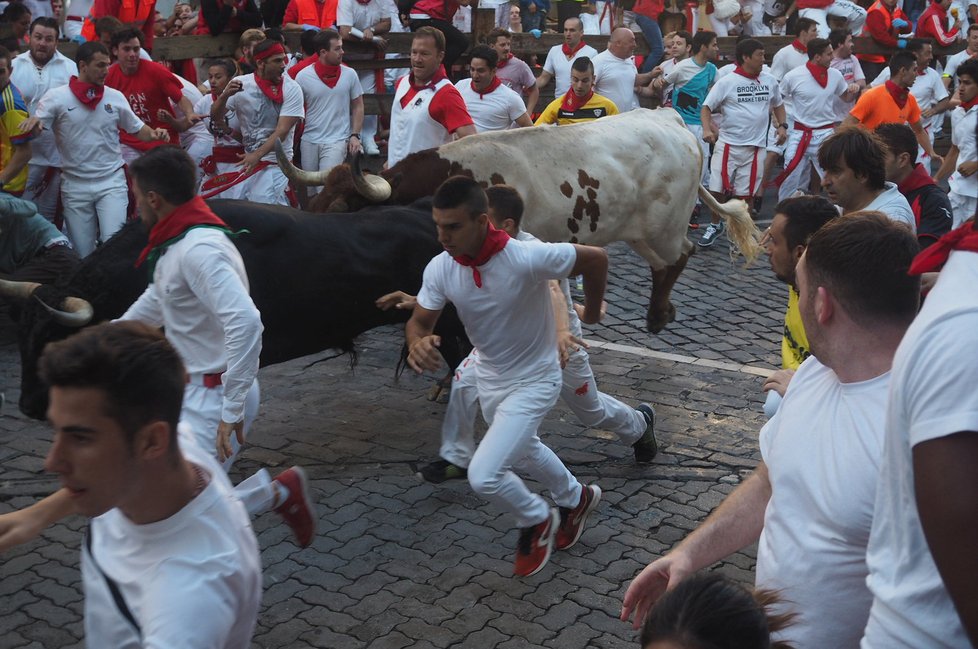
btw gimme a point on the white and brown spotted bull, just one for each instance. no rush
(632, 177)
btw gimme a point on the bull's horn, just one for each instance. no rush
(296, 175)
(374, 188)
(77, 312)
(19, 290)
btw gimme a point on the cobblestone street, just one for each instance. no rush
(401, 563)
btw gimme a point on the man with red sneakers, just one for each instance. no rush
(485, 273)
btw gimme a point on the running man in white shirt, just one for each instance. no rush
(492, 106)
(85, 117)
(969, 52)
(561, 57)
(35, 72)
(812, 89)
(513, 72)
(500, 288)
(961, 164)
(169, 558)
(809, 503)
(846, 62)
(268, 105)
(334, 107)
(744, 98)
(366, 22)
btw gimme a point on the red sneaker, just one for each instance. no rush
(535, 545)
(298, 511)
(572, 520)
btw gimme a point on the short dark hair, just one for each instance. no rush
(506, 203)
(45, 21)
(275, 34)
(583, 64)
(109, 24)
(685, 35)
(804, 215)
(6, 55)
(133, 364)
(746, 48)
(433, 33)
(702, 39)
(230, 67)
(901, 60)
(803, 25)
(461, 191)
(167, 170)
(859, 149)
(87, 51)
(862, 258)
(307, 42)
(711, 610)
(838, 36)
(323, 40)
(125, 35)
(968, 68)
(496, 34)
(898, 138)
(14, 11)
(816, 46)
(973, 27)
(916, 44)
(487, 54)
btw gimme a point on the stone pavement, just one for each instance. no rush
(400, 563)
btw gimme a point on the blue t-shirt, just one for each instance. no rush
(688, 95)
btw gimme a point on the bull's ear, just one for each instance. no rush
(339, 205)
(394, 181)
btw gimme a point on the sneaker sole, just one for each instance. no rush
(554, 524)
(587, 512)
(310, 503)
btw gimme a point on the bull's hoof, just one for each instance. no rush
(656, 322)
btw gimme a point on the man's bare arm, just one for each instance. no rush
(421, 341)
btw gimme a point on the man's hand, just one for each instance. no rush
(30, 124)
(159, 135)
(224, 429)
(646, 589)
(354, 145)
(233, 88)
(968, 168)
(782, 135)
(423, 354)
(939, 160)
(567, 344)
(778, 381)
(249, 161)
(927, 281)
(710, 136)
(396, 300)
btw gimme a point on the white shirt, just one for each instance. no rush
(963, 136)
(927, 89)
(787, 59)
(412, 127)
(33, 82)
(813, 103)
(87, 139)
(200, 295)
(614, 78)
(560, 67)
(350, 13)
(258, 115)
(892, 203)
(667, 68)
(510, 318)
(744, 104)
(328, 110)
(852, 72)
(822, 450)
(190, 580)
(932, 395)
(953, 61)
(494, 111)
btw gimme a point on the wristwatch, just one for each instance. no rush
(356, 135)
(783, 125)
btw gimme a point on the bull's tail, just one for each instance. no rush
(740, 225)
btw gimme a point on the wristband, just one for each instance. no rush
(784, 126)
(356, 135)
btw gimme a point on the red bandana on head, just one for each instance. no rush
(87, 93)
(571, 52)
(900, 95)
(801, 49)
(572, 102)
(934, 256)
(495, 241)
(492, 86)
(193, 214)
(821, 73)
(328, 74)
(271, 90)
(742, 72)
(503, 62)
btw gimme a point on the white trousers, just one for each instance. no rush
(962, 207)
(743, 167)
(853, 13)
(202, 413)
(321, 156)
(799, 177)
(267, 186)
(368, 81)
(43, 188)
(94, 210)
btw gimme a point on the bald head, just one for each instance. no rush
(622, 43)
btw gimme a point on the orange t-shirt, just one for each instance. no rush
(876, 106)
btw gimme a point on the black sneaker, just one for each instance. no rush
(713, 232)
(441, 470)
(646, 447)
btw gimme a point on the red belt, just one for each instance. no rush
(77, 19)
(806, 139)
(207, 380)
(221, 154)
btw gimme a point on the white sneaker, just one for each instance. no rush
(370, 148)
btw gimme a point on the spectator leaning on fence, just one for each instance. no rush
(138, 14)
(219, 16)
(439, 14)
(309, 14)
(887, 25)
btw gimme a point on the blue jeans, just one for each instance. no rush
(653, 36)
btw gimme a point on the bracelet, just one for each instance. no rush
(356, 135)
(783, 125)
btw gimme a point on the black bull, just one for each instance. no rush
(314, 278)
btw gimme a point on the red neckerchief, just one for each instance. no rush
(571, 52)
(88, 94)
(495, 241)
(572, 102)
(739, 70)
(492, 86)
(915, 180)
(193, 214)
(899, 94)
(820, 73)
(802, 49)
(504, 61)
(414, 88)
(271, 90)
(364, 2)
(968, 105)
(934, 256)
(328, 74)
